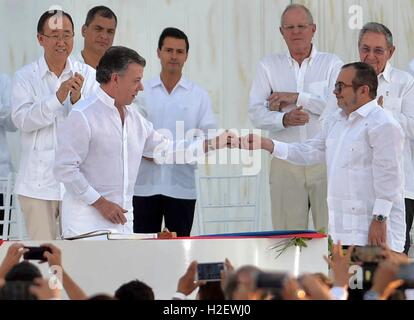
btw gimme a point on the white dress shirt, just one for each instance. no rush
(98, 156)
(77, 56)
(397, 89)
(188, 107)
(363, 154)
(37, 112)
(6, 124)
(314, 80)
(411, 67)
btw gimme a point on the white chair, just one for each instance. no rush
(229, 201)
(13, 222)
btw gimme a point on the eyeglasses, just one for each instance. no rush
(65, 37)
(301, 27)
(376, 51)
(339, 86)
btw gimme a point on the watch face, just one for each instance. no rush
(380, 218)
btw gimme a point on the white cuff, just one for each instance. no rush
(303, 99)
(53, 103)
(280, 150)
(90, 196)
(339, 293)
(179, 296)
(279, 120)
(382, 207)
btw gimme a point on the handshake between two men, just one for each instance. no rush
(229, 139)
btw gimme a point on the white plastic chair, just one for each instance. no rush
(228, 200)
(13, 222)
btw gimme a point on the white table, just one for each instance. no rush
(102, 266)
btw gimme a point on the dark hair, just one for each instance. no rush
(101, 11)
(23, 271)
(365, 76)
(173, 33)
(116, 60)
(101, 296)
(211, 291)
(134, 290)
(49, 14)
(17, 290)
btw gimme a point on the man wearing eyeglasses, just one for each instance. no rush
(98, 33)
(396, 96)
(363, 149)
(288, 98)
(43, 93)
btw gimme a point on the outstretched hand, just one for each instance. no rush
(255, 142)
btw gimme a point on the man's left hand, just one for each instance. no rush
(377, 235)
(280, 100)
(227, 139)
(76, 87)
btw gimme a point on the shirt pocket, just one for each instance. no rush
(40, 168)
(356, 155)
(355, 215)
(319, 88)
(393, 105)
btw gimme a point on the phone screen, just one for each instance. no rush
(35, 253)
(210, 271)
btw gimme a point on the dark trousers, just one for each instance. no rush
(409, 214)
(149, 211)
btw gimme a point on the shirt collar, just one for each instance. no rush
(311, 57)
(386, 74)
(44, 68)
(184, 82)
(365, 110)
(105, 98)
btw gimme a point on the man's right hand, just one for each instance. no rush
(110, 211)
(64, 90)
(296, 117)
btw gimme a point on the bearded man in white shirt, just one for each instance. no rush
(288, 98)
(43, 93)
(396, 96)
(101, 145)
(362, 146)
(98, 33)
(174, 103)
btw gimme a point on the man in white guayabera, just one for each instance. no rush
(43, 93)
(362, 146)
(289, 97)
(101, 145)
(173, 103)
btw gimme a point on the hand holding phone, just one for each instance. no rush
(209, 271)
(35, 253)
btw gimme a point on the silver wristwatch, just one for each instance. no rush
(380, 218)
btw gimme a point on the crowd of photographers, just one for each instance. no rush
(355, 273)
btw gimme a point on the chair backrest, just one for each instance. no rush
(230, 201)
(11, 218)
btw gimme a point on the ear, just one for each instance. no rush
(115, 78)
(313, 28)
(281, 31)
(392, 50)
(159, 53)
(41, 39)
(83, 30)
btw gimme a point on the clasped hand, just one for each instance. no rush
(229, 139)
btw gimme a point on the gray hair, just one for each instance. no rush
(376, 28)
(297, 6)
